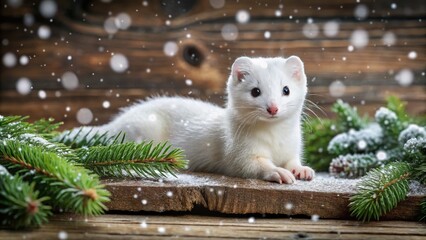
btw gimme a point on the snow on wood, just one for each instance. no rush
(325, 196)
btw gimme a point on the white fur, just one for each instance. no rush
(241, 140)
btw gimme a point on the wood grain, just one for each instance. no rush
(166, 226)
(77, 31)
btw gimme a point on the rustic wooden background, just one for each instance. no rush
(200, 66)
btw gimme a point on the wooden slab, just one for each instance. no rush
(325, 196)
(161, 226)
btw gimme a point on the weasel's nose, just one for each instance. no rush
(272, 110)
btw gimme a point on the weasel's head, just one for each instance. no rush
(267, 89)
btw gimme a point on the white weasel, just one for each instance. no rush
(257, 135)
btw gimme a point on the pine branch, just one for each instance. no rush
(57, 148)
(71, 188)
(412, 131)
(365, 140)
(397, 106)
(317, 133)
(390, 124)
(348, 116)
(20, 205)
(46, 128)
(88, 137)
(13, 126)
(380, 191)
(132, 159)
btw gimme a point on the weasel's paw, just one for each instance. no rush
(279, 175)
(303, 173)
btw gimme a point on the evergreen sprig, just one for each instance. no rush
(348, 116)
(88, 137)
(380, 191)
(71, 188)
(132, 159)
(390, 124)
(12, 126)
(364, 140)
(20, 204)
(317, 133)
(46, 127)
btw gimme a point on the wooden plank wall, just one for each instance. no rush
(80, 44)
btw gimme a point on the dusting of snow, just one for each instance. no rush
(412, 131)
(371, 135)
(385, 114)
(188, 179)
(3, 170)
(315, 218)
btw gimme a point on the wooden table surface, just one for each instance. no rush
(164, 226)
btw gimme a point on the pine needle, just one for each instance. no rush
(132, 159)
(380, 191)
(88, 137)
(66, 183)
(20, 204)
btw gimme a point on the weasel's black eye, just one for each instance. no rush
(286, 91)
(255, 92)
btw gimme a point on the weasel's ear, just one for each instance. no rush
(240, 68)
(295, 67)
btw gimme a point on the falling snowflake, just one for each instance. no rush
(119, 63)
(106, 104)
(63, 235)
(229, 32)
(242, 16)
(44, 32)
(170, 48)
(69, 81)
(9, 60)
(331, 28)
(267, 34)
(122, 21)
(48, 8)
(23, 86)
(42, 94)
(23, 60)
(217, 3)
(359, 38)
(84, 116)
(361, 12)
(389, 39)
(310, 30)
(188, 82)
(337, 88)
(404, 77)
(412, 55)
